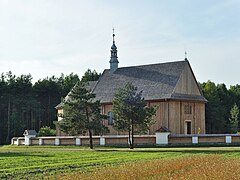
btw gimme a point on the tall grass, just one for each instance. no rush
(200, 167)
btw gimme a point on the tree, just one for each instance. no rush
(215, 122)
(234, 112)
(67, 83)
(20, 104)
(3, 109)
(131, 113)
(82, 114)
(48, 94)
(27, 106)
(46, 131)
(90, 76)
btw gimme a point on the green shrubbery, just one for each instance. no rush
(46, 131)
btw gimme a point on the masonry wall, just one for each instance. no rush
(122, 140)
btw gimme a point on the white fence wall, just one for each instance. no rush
(158, 139)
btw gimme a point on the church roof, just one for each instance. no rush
(157, 81)
(90, 85)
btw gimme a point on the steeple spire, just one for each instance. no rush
(114, 59)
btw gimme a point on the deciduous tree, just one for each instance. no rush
(234, 113)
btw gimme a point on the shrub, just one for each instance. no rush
(46, 131)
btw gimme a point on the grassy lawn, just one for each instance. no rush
(117, 163)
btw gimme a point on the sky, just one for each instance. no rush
(50, 37)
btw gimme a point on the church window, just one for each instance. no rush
(188, 109)
(110, 118)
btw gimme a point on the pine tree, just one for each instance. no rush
(82, 114)
(131, 113)
(90, 76)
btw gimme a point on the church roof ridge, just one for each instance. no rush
(152, 64)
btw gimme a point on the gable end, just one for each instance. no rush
(187, 83)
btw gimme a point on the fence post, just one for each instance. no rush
(195, 140)
(102, 141)
(78, 141)
(57, 141)
(228, 139)
(18, 142)
(40, 141)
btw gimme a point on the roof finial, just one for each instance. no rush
(185, 56)
(113, 35)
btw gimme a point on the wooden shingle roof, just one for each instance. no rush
(90, 85)
(157, 81)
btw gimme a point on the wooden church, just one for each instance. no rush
(172, 87)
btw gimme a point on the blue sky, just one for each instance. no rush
(50, 37)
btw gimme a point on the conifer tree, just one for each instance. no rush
(131, 113)
(82, 114)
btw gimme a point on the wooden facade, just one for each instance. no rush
(180, 116)
(172, 115)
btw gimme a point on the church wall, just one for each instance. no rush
(160, 119)
(105, 109)
(172, 115)
(188, 117)
(196, 117)
(200, 116)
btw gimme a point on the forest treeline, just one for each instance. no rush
(28, 105)
(222, 108)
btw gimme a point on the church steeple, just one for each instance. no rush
(114, 59)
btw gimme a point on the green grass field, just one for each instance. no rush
(74, 162)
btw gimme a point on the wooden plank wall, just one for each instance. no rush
(170, 114)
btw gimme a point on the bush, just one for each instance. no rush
(46, 131)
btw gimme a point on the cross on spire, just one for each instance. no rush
(113, 35)
(185, 55)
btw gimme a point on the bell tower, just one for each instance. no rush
(114, 59)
